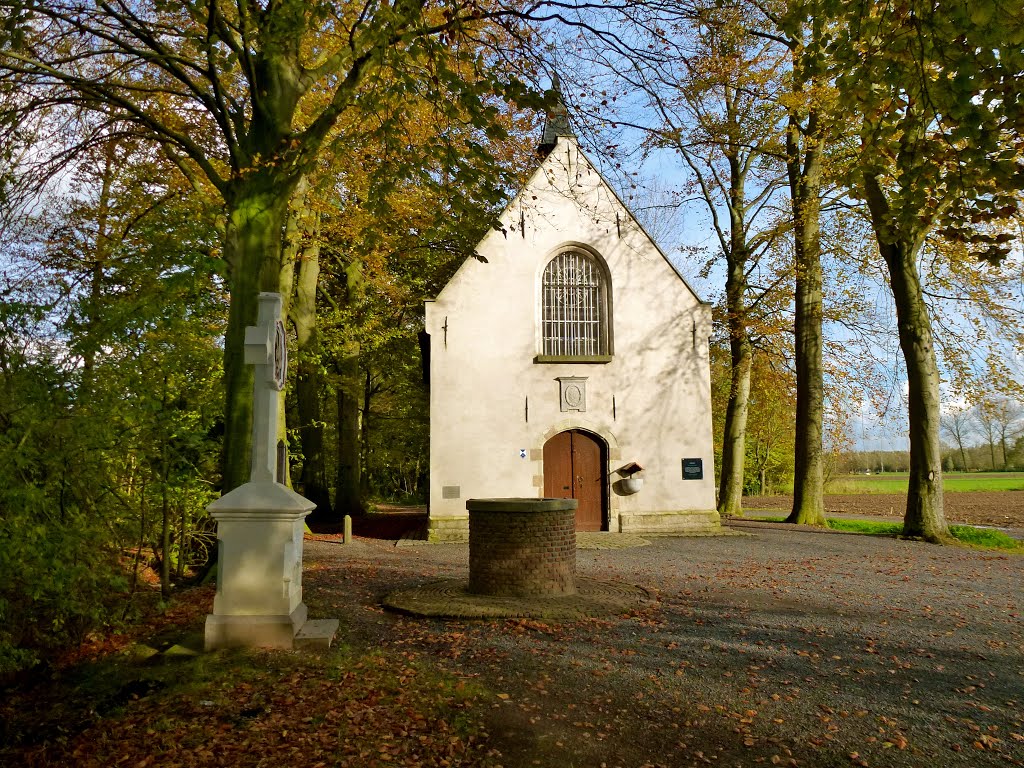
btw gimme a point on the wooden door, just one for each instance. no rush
(574, 469)
(558, 477)
(589, 487)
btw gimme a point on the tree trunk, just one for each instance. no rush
(364, 434)
(348, 499)
(293, 242)
(253, 251)
(730, 494)
(142, 539)
(101, 252)
(165, 528)
(182, 542)
(804, 169)
(309, 386)
(925, 516)
(734, 437)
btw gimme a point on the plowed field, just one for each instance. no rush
(1001, 509)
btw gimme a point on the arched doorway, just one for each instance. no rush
(574, 468)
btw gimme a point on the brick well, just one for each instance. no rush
(522, 547)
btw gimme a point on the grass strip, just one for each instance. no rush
(982, 538)
(870, 527)
(986, 538)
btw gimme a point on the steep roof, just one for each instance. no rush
(557, 129)
(570, 140)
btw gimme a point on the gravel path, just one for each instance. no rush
(779, 647)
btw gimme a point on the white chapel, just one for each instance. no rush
(571, 360)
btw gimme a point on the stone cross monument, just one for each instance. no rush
(266, 349)
(260, 524)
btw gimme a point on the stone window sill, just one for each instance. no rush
(598, 359)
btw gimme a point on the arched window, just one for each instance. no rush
(574, 307)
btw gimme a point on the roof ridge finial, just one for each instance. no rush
(556, 123)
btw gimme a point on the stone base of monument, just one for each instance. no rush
(315, 634)
(254, 631)
(258, 603)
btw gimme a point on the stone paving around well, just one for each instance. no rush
(450, 598)
(594, 598)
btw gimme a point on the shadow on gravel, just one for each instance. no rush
(809, 650)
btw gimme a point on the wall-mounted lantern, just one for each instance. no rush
(630, 483)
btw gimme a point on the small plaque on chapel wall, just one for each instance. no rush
(572, 393)
(693, 469)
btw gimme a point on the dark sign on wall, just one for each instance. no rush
(693, 469)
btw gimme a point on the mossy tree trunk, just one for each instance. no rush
(309, 384)
(804, 170)
(348, 495)
(255, 219)
(730, 490)
(899, 247)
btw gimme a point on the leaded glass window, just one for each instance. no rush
(574, 307)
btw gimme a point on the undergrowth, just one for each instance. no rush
(340, 707)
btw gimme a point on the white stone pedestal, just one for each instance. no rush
(260, 524)
(259, 585)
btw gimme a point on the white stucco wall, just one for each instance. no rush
(489, 400)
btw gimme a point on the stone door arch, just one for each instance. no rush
(576, 467)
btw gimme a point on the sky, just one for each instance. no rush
(684, 231)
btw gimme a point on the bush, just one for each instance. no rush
(58, 580)
(58, 550)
